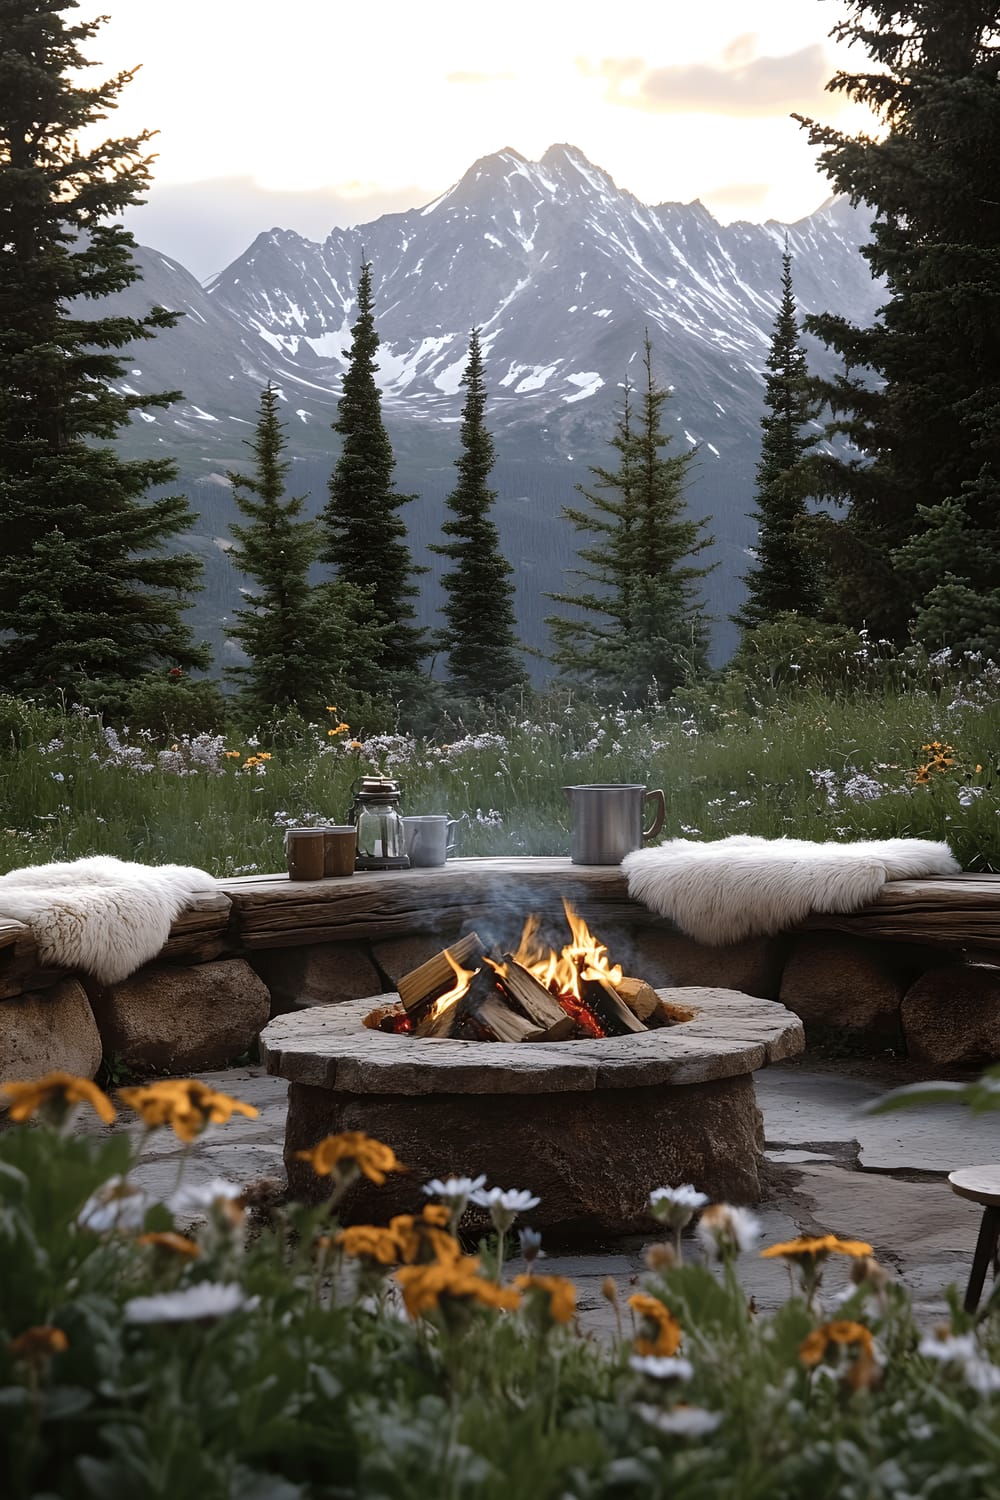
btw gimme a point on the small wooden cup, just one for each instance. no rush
(340, 845)
(305, 849)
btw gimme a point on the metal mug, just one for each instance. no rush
(607, 821)
(429, 839)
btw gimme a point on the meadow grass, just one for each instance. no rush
(841, 763)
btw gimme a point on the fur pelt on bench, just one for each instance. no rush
(102, 915)
(740, 887)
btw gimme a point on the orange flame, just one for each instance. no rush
(463, 979)
(583, 957)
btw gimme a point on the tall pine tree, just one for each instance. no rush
(650, 633)
(920, 397)
(300, 653)
(479, 607)
(784, 578)
(366, 537)
(85, 590)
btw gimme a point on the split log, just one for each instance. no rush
(437, 976)
(505, 1025)
(451, 1020)
(540, 1007)
(639, 996)
(612, 1013)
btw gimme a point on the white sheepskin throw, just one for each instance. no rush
(745, 886)
(102, 915)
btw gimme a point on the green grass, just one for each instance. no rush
(785, 765)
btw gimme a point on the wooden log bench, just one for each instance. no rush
(918, 967)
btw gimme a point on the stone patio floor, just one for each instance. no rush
(829, 1168)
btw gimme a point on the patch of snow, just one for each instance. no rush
(450, 380)
(534, 382)
(589, 382)
(204, 416)
(328, 345)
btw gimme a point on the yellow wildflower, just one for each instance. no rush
(863, 1369)
(978, 769)
(331, 708)
(60, 1089)
(339, 729)
(233, 754)
(371, 1157)
(371, 1242)
(421, 1239)
(39, 1343)
(816, 1248)
(424, 1286)
(559, 1293)
(922, 775)
(177, 1244)
(264, 755)
(354, 745)
(660, 1332)
(186, 1105)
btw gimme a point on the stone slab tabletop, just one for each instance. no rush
(328, 1046)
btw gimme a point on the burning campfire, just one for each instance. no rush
(531, 995)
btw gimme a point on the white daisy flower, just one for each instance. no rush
(680, 1421)
(504, 1204)
(724, 1230)
(117, 1204)
(983, 1376)
(195, 1197)
(207, 1299)
(949, 1349)
(662, 1367)
(454, 1191)
(676, 1206)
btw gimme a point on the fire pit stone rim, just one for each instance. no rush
(730, 1034)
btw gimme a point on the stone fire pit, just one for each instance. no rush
(589, 1126)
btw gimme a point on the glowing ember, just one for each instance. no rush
(582, 1015)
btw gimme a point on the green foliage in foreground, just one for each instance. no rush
(819, 735)
(315, 1384)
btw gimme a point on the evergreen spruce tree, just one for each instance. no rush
(366, 537)
(479, 607)
(650, 633)
(920, 397)
(85, 590)
(784, 578)
(302, 651)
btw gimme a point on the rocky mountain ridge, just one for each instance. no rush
(563, 272)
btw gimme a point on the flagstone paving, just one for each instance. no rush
(830, 1168)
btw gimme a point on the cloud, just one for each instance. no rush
(462, 77)
(206, 225)
(742, 84)
(741, 195)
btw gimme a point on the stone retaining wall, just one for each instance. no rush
(266, 946)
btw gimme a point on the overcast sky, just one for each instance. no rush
(315, 113)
